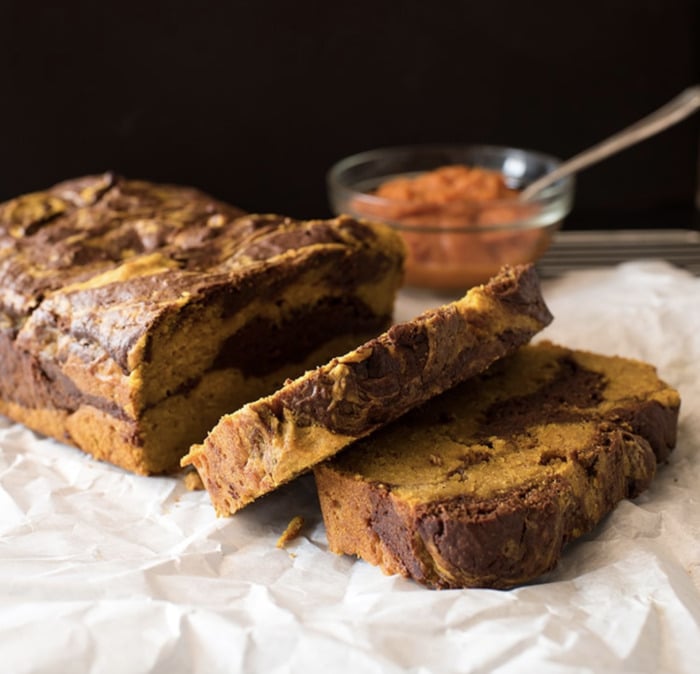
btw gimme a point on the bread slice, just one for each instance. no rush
(133, 315)
(270, 441)
(483, 486)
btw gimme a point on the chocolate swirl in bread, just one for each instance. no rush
(270, 441)
(133, 315)
(484, 485)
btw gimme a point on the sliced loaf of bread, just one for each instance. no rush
(483, 485)
(270, 441)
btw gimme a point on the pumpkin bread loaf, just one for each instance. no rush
(270, 441)
(483, 486)
(133, 315)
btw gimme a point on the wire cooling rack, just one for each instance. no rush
(585, 249)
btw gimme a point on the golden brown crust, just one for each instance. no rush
(484, 485)
(126, 305)
(270, 441)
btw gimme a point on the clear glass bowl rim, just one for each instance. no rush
(560, 191)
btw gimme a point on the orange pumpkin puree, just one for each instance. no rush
(468, 208)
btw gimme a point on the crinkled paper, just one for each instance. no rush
(103, 571)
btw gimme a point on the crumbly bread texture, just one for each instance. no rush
(272, 440)
(133, 315)
(483, 486)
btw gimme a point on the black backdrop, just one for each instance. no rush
(252, 101)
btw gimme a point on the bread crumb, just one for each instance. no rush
(291, 532)
(193, 482)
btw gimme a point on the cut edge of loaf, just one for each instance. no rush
(133, 315)
(270, 441)
(515, 534)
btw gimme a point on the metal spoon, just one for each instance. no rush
(673, 112)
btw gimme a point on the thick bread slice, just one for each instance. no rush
(483, 486)
(133, 315)
(270, 441)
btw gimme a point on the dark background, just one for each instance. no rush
(253, 101)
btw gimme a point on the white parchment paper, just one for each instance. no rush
(102, 571)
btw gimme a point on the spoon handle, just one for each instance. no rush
(671, 113)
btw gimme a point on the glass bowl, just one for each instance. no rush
(455, 244)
